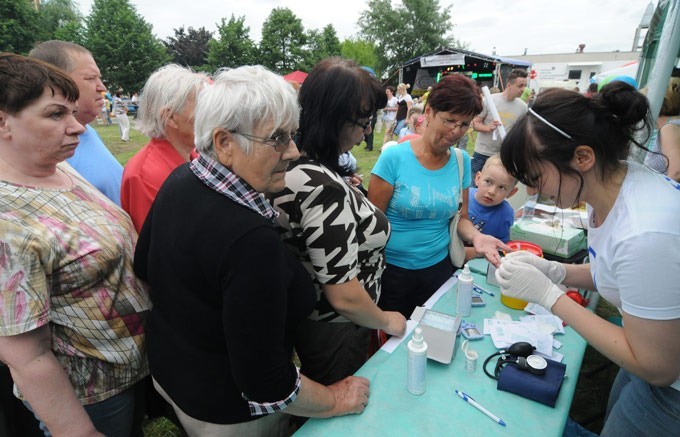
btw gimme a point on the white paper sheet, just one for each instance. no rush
(555, 323)
(503, 334)
(494, 112)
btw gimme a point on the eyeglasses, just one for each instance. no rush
(362, 125)
(449, 124)
(280, 142)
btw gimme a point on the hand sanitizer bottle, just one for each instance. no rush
(464, 298)
(417, 363)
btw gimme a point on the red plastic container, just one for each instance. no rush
(525, 245)
(511, 302)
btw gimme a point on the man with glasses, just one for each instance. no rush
(510, 107)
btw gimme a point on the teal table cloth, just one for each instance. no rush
(392, 411)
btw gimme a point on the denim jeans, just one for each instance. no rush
(399, 126)
(637, 408)
(113, 417)
(476, 164)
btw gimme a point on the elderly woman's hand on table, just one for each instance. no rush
(351, 395)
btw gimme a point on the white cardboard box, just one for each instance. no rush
(555, 240)
(439, 332)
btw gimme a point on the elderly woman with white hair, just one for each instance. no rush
(227, 294)
(167, 117)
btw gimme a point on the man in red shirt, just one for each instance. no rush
(166, 115)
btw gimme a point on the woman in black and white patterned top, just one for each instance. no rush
(332, 227)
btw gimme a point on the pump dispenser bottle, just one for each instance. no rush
(464, 298)
(417, 363)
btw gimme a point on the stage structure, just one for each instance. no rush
(428, 69)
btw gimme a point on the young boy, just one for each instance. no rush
(487, 207)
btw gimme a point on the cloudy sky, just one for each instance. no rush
(511, 26)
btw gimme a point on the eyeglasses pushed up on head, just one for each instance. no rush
(279, 142)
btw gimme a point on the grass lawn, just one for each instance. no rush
(121, 150)
(597, 372)
(125, 150)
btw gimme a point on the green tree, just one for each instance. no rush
(362, 51)
(61, 19)
(406, 30)
(321, 45)
(72, 31)
(234, 47)
(282, 48)
(123, 44)
(190, 47)
(18, 26)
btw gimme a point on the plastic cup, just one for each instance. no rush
(512, 302)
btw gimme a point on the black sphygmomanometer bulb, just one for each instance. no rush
(520, 349)
(517, 350)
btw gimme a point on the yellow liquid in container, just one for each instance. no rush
(513, 302)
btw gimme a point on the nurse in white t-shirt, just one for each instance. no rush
(572, 149)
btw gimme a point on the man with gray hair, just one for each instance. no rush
(167, 117)
(92, 159)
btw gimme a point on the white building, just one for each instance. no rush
(569, 70)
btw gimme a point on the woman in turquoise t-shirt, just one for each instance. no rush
(416, 184)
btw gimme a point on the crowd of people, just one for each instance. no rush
(241, 234)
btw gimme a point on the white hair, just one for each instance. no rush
(168, 88)
(244, 100)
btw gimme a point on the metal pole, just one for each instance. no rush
(666, 56)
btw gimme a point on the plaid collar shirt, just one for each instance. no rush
(221, 179)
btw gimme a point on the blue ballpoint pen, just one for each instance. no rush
(479, 289)
(474, 403)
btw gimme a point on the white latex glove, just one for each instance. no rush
(552, 269)
(524, 281)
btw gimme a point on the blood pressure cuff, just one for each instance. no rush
(539, 388)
